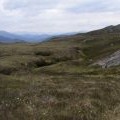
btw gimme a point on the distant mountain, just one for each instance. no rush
(34, 37)
(6, 37)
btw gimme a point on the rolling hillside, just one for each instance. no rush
(60, 80)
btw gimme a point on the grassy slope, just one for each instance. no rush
(53, 80)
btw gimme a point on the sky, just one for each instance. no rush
(58, 16)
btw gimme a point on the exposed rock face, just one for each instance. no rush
(112, 60)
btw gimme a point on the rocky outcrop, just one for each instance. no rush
(112, 60)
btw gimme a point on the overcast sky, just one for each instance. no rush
(58, 16)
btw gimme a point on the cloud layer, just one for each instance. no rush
(58, 16)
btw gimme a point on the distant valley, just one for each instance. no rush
(6, 37)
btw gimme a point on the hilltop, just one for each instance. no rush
(95, 45)
(106, 30)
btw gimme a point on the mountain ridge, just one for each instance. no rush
(106, 30)
(12, 37)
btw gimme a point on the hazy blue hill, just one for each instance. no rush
(11, 37)
(34, 37)
(8, 35)
(6, 39)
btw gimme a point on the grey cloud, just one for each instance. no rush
(97, 6)
(29, 7)
(50, 15)
(26, 4)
